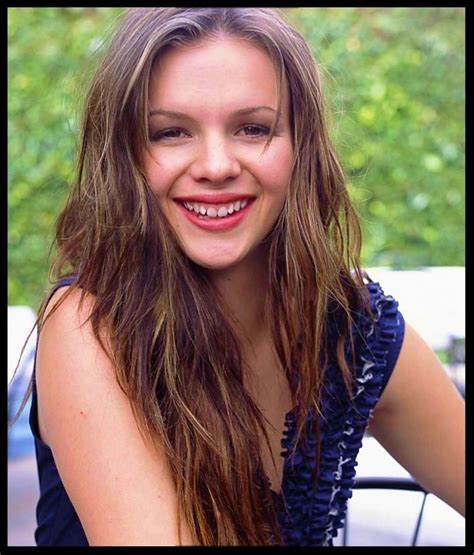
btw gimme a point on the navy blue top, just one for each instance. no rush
(309, 515)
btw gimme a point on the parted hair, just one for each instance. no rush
(172, 342)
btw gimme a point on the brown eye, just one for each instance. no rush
(255, 130)
(166, 134)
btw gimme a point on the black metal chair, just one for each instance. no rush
(390, 483)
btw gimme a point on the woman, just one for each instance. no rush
(210, 310)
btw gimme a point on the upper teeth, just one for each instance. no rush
(216, 211)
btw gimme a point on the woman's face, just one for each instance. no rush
(210, 112)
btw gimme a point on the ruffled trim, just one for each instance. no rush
(298, 468)
(312, 515)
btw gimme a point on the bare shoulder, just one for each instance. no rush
(65, 343)
(420, 420)
(119, 484)
(418, 374)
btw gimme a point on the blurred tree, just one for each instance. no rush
(51, 54)
(394, 81)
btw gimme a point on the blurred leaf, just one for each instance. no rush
(395, 80)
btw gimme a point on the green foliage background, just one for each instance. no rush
(394, 80)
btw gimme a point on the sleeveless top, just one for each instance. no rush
(309, 514)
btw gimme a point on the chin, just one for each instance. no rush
(217, 262)
(216, 266)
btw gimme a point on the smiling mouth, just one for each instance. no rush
(209, 212)
(216, 217)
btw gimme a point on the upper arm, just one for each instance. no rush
(420, 420)
(119, 484)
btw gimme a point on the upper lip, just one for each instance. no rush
(222, 198)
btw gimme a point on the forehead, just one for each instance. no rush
(213, 74)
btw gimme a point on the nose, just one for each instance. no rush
(215, 162)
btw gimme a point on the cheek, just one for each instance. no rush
(160, 175)
(277, 172)
(153, 172)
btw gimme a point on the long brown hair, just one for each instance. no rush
(174, 348)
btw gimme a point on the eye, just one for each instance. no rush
(253, 130)
(168, 134)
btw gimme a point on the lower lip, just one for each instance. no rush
(217, 224)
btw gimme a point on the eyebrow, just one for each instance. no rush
(181, 115)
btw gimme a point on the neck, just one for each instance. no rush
(244, 288)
